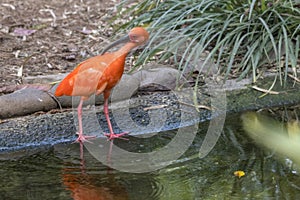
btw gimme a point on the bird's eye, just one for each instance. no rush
(134, 38)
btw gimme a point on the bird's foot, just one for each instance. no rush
(82, 138)
(112, 136)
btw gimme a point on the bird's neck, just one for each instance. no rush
(126, 48)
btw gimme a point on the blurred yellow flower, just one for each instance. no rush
(239, 173)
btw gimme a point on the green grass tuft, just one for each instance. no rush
(241, 37)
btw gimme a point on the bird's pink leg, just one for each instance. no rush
(81, 137)
(111, 134)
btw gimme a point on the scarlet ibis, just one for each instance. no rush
(100, 74)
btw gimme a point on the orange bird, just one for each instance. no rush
(100, 74)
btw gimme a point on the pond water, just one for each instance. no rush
(61, 172)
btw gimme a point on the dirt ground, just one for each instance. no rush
(50, 37)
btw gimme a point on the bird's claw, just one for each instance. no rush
(112, 136)
(82, 138)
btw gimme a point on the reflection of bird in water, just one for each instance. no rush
(84, 186)
(99, 75)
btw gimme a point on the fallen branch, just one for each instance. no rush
(13, 88)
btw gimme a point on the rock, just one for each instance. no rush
(209, 68)
(159, 78)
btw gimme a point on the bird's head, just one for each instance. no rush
(137, 35)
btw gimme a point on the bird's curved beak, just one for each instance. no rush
(115, 43)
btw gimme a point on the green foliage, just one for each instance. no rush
(239, 36)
